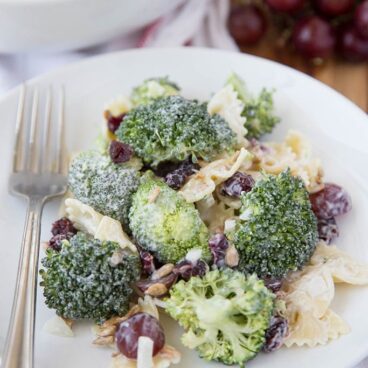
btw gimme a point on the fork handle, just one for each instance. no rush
(19, 349)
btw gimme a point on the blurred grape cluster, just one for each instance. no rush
(315, 29)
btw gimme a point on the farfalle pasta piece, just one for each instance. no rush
(311, 290)
(307, 330)
(294, 153)
(308, 294)
(85, 218)
(204, 182)
(342, 266)
(226, 104)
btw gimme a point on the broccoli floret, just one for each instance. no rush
(258, 111)
(107, 187)
(165, 224)
(152, 89)
(277, 230)
(172, 129)
(89, 278)
(225, 314)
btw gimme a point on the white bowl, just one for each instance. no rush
(59, 25)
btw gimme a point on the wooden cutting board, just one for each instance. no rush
(350, 79)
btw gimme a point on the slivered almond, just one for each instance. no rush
(104, 340)
(107, 331)
(69, 322)
(114, 321)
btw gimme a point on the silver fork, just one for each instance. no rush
(37, 175)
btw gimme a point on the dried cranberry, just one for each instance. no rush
(276, 333)
(113, 122)
(177, 177)
(218, 245)
(63, 226)
(328, 229)
(330, 202)
(165, 167)
(120, 152)
(147, 261)
(56, 240)
(168, 280)
(237, 184)
(272, 284)
(186, 269)
(130, 330)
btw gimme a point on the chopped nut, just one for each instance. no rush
(107, 331)
(68, 321)
(163, 271)
(44, 245)
(114, 321)
(154, 194)
(107, 114)
(104, 340)
(156, 289)
(232, 256)
(170, 353)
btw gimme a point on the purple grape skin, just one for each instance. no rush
(218, 245)
(313, 37)
(328, 230)
(276, 333)
(237, 184)
(247, 24)
(140, 324)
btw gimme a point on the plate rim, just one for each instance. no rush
(300, 75)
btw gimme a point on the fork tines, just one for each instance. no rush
(34, 144)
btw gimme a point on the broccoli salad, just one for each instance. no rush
(185, 208)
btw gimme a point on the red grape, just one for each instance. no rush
(247, 24)
(330, 202)
(361, 19)
(140, 324)
(352, 46)
(334, 7)
(313, 37)
(286, 5)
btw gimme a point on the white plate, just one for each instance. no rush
(337, 129)
(60, 25)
